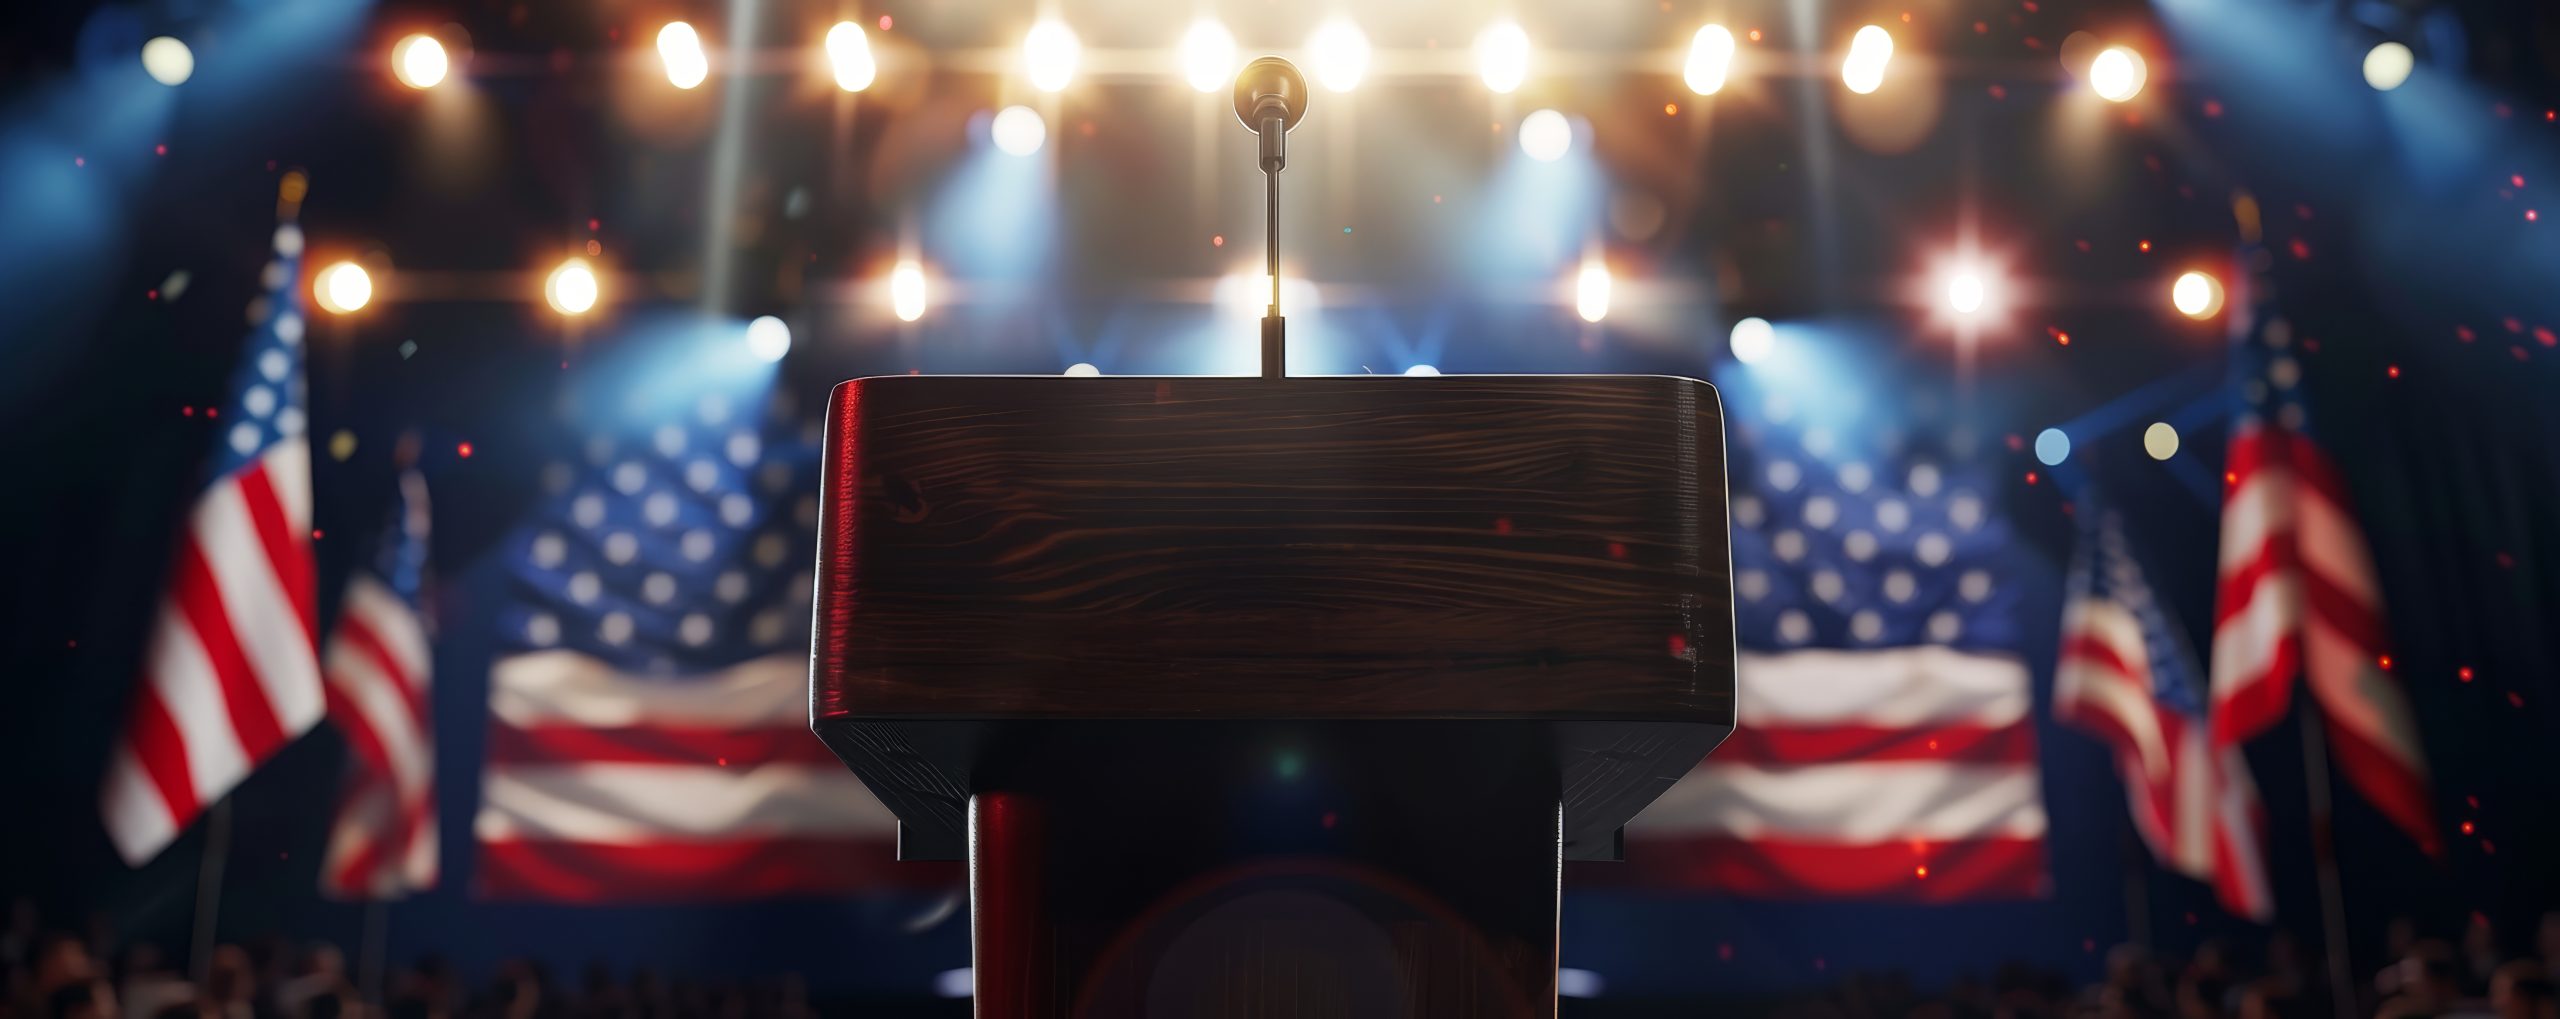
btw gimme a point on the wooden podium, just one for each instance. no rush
(1270, 696)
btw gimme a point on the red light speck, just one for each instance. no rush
(721, 761)
(161, 149)
(1981, 28)
(1724, 950)
(2464, 674)
(1999, 92)
(885, 22)
(1217, 240)
(2300, 249)
(2031, 477)
(2464, 334)
(2394, 371)
(2468, 828)
(187, 411)
(2517, 180)
(2213, 107)
(1329, 820)
(79, 160)
(1502, 525)
(1921, 872)
(1617, 550)
(152, 295)
(1679, 646)
(213, 412)
(2144, 247)
(2082, 244)
(2515, 699)
(464, 450)
(2544, 336)
(2531, 215)
(2488, 847)
(1933, 744)
(2230, 478)
(2385, 662)
(317, 534)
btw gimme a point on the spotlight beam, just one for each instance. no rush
(728, 158)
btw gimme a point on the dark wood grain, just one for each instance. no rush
(1456, 547)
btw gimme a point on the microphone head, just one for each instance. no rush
(1270, 79)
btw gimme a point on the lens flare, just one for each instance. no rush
(849, 56)
(1049, 54)
(342, 288)
(1340, 54)
(419, 61)
(1870, 52)
(907, 291)
(1502, 57)
(680, 50)
(1208, 55)
(572, 289)
(1710, 60)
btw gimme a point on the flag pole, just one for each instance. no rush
(369, 955)
(209, 871)
(2324, 856)
(2137, 886)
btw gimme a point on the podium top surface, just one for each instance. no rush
(1455, 547)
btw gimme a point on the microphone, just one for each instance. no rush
(1271, 97)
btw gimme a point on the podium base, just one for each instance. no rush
(1386, 869)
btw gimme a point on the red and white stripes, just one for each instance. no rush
(231, 673)
(378, 668)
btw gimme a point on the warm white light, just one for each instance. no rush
(342, 287)
(1421, 370)
(1964, 292)
(680, 49)
(906, 291)
(1081, 370)
(1502, 57)
(1208, 55)
(572, 288)
(2388, 65)
(768, 339)
(2160, 440)
(1869, 53)
(419, 61)
(1591, 290)
(1049, 54)
(2117, 74)
(1546, 135)
(2196, 295)
(1018, 130)
(849, 55)
(1753, 340)
(168, 61)
(1710, 59)
(1341, 55)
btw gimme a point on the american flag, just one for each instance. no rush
(1885, 744)
(231, 673)
(2125, 673)
(377, 671)
(2297, 587)
(649, 737)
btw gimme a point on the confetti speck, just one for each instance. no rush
(463, 450)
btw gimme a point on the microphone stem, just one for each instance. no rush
(1275, 330)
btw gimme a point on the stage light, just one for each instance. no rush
(1546, 136)
(680, 50)
(2196, 295)
(2387, 65)
(1049, 53)
(907, 290)
(1081, 370)
(1502, 57)
(1018, 130)
(341, 288)
(768, 339)
(1869, 53)
(1422, 370)
(1710, 59)
(419, 61)
(2117, 74)
(2160, 440)
(1965, 291)
(849, 55)
(1208, 56)
(2052, 447)
(1753, 339)
(168, 61)
(1340, 53)
(572, 288)
(1591, 290)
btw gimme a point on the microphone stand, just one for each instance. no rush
(1275, 329)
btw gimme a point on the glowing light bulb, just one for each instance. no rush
(419, 61)
(849, 56)
(1502, 57)
(342, 288)
(1753, 340)
(1546, 135)
(1965, 292)
(2117, 74)
(168, 61)
(1208, 55)
(907, 291)
(1049, 54)
(1710, 60)
(1870, 52)
(1591, 290)
(2196, 295)
(680, 50)
(1018, 130)
(572, 289)
(1341, 55)
(2387, 66)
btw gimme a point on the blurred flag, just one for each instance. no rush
(1886, 739)
(2126, 674)
(377, 670)
(649, 738)
(2297, 586)
(231, 672)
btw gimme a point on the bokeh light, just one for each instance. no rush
(2387, 65)
(1502, 56)
(1546, 135)
(680, 51)
(1208, 55)
(419, 61)
(1049, 55)
(2117, 74)
(342, 288)
(1753, 340)
(168, 61)
(2052, 447)
(1965, 290)
(1710, 60)
(768, 338)
(1870, 52)
(572, 289)
(1018, 130)
(2196, 295)
(1591, 288)
(1082, 370)
(907, 291)
(849, 56)
(2160, 440)
(1422, 370)
(1340, 52)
